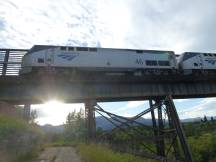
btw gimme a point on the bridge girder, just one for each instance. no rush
(21, 90)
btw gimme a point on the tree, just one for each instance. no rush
(204, 119)
(33, 117)
(75, 125)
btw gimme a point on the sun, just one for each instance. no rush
(53, 104)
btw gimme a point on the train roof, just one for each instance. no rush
(36, 48)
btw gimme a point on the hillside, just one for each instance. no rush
(102, 123)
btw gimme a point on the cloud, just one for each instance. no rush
(130, 106)
(133, 104)
(2, 24)
(167, 25)
(181, 100)
(172, 25)
(49, 22)
(204, 107)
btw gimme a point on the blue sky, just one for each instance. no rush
(160, 24)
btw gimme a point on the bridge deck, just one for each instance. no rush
(20, 89)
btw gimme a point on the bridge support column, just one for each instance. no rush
(179, 129)
(176, 132)
(90, 119)
(173, 138)
(27, 111)
(154, 124)
(160, 129)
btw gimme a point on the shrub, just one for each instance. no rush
(17, 137)
(99, 153)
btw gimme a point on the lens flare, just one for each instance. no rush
(53, 104)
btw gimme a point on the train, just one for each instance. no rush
(73, 60)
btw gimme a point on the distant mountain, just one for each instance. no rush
(196, 119)
(188, 120)
(103, 123)
(52, 129)
(106, 125)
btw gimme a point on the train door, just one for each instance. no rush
(49, 57)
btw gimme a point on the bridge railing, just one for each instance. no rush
(10, 61)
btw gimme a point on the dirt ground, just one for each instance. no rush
(58, 154)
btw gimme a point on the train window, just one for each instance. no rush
(82, 49)
(139, 51)
(214, 54)
(195, 64)
(93, 49)
(40, 60)
(205, 54)
(63, 48)
(164, 63)
(151, 63)
(210, 54)
(70, 48)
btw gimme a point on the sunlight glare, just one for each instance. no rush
(53, 104)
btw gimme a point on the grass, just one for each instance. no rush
(14, 132)
(26, 157)
(99, 153)
(10, 125)
(60, 143)
(53, 159)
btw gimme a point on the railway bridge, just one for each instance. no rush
(159, 90)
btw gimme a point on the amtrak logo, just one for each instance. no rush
(68, 57)
(211, 61)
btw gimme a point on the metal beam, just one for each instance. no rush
(179, 129)
(38, 91)
(27, 111)
(6, 58)
(161, 145)
(164, 139)
(174, 140)
(90, 119)
(154, 124)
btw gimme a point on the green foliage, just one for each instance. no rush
(74, 131)
(17, 137)
(27, 156)
(33, 117)
(60, 143)
(98, 153)
(131, 140)
(202, 140)
(198, 128)
(10, 125)
(203, 147)
(75, 126)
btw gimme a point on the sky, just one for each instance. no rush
(177, 25)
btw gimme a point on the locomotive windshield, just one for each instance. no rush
(38, 48)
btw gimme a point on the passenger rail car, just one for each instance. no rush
(197, 63)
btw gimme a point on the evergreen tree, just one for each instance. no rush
(205, 119)
(75, 125)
